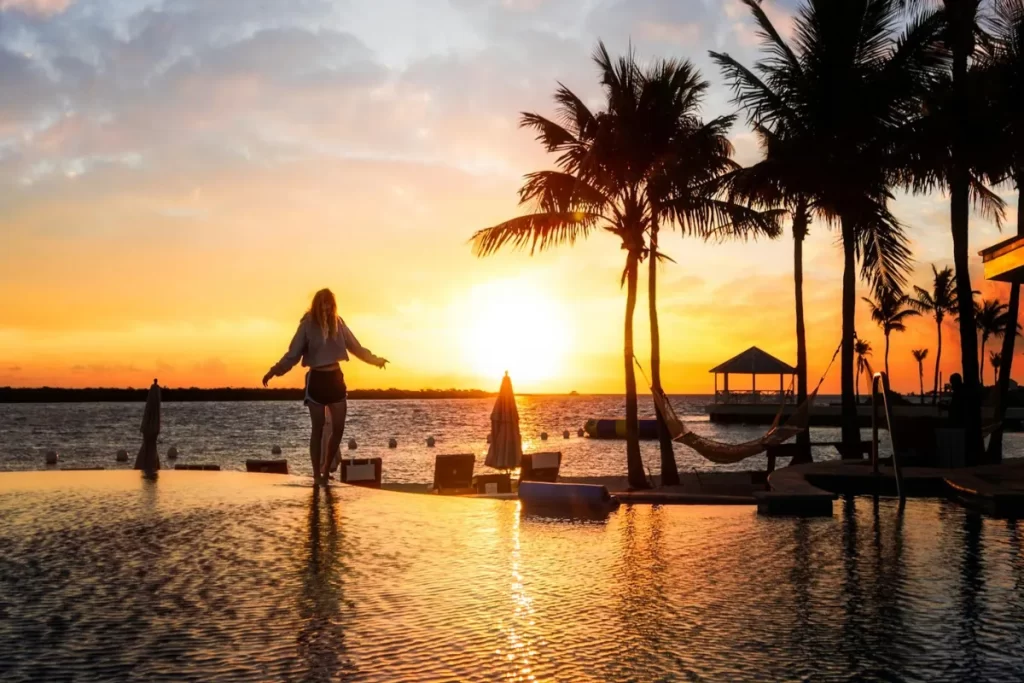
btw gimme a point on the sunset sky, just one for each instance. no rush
(179, 177)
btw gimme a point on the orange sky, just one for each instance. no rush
(177, 185)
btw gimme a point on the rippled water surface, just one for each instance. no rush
(89, 434)
(227, 576)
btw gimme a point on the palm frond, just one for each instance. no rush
(537, 231)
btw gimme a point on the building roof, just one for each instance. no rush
(754, 361)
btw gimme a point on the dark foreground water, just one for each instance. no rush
(226, 576)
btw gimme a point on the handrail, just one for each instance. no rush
(880, 378)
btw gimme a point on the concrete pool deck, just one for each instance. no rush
(997, 490)
(810, 490)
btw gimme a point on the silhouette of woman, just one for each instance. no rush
(321, 342)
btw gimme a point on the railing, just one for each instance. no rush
(881, 380)
(753, 397)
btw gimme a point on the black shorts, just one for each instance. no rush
(324, 387)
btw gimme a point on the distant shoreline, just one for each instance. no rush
(194, 394)
(110, 395)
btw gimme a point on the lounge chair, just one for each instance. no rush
(361, 472)
(267, 466)
(453, 474)
(493, 483)
(540, 467)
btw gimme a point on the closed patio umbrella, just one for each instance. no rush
(148, 459)
(506, 448)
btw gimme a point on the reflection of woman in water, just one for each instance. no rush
(321, 342)
(323, 613)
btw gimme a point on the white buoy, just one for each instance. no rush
(52, 457)
(543, 436)
(565, 434)
(122, 455)
(392, 443)
(352, 445)
(276, 450)
(580, 432)
(172, 453)
(430, 442)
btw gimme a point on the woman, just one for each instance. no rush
(321, 342)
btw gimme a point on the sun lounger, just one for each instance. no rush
(361, 472)
(492, 483)
(540, 467)
(453, 474)
(267, 466)
(207, 467)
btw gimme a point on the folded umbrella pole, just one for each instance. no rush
(505, 451)
(148, 460)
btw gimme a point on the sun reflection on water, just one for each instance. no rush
(519, 652)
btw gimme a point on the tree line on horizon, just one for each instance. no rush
(185, 394)
(866, 98)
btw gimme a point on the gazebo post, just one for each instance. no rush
(716, 387)
(753, 386)
(727, 383)
(782, 386)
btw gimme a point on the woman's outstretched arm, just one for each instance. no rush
(291, 357)
(356, 349)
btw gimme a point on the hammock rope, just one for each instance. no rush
(723, 453)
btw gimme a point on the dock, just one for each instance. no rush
(830, 414)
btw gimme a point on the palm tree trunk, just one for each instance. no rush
(669, 471)
(959, 224)
(920, 378)
(887, 356)
(634, 463)
(938, 357)
(858, 382)
(995, 444)
(803, 439)
(981, 368)
(850, 425)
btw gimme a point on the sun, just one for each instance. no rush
(515, 326)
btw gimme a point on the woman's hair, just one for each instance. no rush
(324, 312)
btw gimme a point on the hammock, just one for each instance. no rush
(723, 453)
(728, 453)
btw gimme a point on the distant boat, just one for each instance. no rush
(573, 393)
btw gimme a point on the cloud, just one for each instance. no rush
(679, 33)
(37, 7)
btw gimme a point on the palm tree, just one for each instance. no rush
(919, 356)
(863, 349)
(890, 309)
(679, 161)
(992, 320)
(1004, 89)
(762, 184)
(938, 302)
(590, 191)
(954, 149)
(833, 103)
(997, 361)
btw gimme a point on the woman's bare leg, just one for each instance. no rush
(317, 418)
(338, 412)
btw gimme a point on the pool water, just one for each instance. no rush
(227, 576)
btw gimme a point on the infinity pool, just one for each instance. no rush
(227, 576)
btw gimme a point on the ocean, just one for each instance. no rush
(227, 433)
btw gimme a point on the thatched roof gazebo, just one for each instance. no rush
(752, 362)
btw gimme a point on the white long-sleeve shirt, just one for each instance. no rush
(314, 349)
